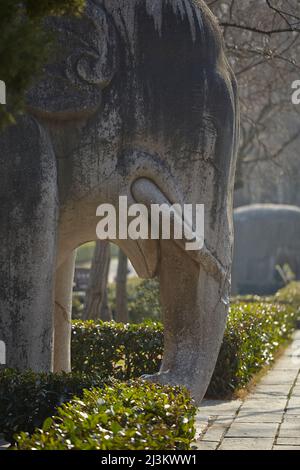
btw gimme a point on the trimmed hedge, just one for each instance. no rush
(27, 399)
(132, 416)
(103, 351)
(290, 294)
(116, 350)
(254, 333)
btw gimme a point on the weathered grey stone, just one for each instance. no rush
(266, 235)
(127, 108)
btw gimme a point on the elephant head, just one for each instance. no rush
(157, 105)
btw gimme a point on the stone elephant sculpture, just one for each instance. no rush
(266, 237)
(139, 101)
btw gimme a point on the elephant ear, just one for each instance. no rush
(83, 64)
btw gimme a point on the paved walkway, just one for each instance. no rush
(268, 419)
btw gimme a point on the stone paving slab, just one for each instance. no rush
(269, 417)
(265, 406)
(280, 391)
(216, 432)
(287, 363)
(253, 430)
(286, 448)
(291, 417)
(290, 429)
(268, 389)
(218, 407)
(246, 444)
(205, 445)
(293, 407)
(294, 401)
(250, 416)
(279, 378)
(290, 441)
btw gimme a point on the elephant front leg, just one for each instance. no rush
(63, 315)
(28, 194)
(194, 309)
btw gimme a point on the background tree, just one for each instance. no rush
(25, 45)
(96, 304)
(121, 289)
(263, 44)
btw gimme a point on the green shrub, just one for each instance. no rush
(77, 305)
(254, 333)
(26, 399)
(132, 416)
(142, 299)
(116, 350)
(103, 351)
(290, 294)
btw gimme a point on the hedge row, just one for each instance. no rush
(103, 352)
(27, 399)
(290, 294)
(116, 350)
(131, 416)
(254, 333)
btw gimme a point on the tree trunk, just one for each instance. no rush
(63, 315)
(96, 306)
(121, 289)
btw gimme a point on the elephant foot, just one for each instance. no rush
(175, 378)
(163, 378)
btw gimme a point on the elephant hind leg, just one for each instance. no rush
(63, 315)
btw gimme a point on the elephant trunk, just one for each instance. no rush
(194, 313)
(194, 292)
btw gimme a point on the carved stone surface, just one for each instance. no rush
(266, 237)
(140, 101)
